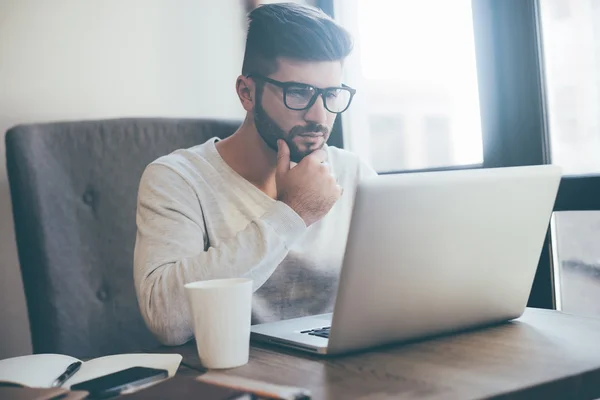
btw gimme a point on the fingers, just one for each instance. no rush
(283, 157)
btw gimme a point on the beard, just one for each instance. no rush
(270, 132)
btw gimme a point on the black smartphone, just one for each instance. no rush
(117, 382)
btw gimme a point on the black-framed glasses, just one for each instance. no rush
(301, 96)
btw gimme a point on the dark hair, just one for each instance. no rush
(294, 31)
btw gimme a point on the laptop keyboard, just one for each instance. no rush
(320, 332)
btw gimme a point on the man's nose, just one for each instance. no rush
(317, 112)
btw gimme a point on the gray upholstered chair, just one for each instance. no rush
(74, 189)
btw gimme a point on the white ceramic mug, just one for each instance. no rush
(222, 311)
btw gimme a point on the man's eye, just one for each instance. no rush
(331, 94)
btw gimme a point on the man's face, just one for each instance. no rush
(304, 131)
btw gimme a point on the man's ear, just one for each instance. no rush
(246, 91)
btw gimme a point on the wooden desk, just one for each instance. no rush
(544, 354)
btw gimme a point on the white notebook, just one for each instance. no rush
(40, 370)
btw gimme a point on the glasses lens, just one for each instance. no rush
(337, 99)
(298, 97)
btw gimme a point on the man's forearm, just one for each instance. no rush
(255, 252)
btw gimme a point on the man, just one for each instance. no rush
(272, 202)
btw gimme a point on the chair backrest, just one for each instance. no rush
(74, 191)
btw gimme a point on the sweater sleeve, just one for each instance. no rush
(172, 249)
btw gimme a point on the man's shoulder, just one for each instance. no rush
(185, 156)
(342, 157)
(186, 160)
(349, 164)
(185, 166)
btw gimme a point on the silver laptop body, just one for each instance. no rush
(431, 253)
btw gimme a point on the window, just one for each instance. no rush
(533, 98)
(437, 149)
(578, 262)
(418, 67)
(560, 10)
(572, 66)
(389, 141)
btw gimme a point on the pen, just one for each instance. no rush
(69, 372)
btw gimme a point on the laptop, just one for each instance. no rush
(428, 254)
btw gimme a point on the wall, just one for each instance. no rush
(69, 59)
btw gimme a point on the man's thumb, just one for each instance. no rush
(283, 157)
